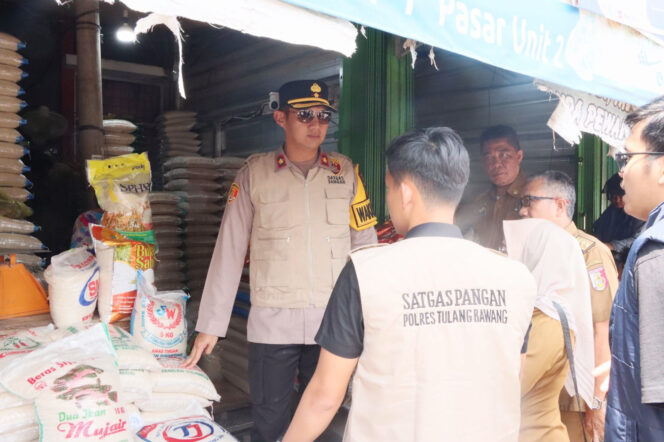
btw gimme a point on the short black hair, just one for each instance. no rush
(653, 132)
(560, 184)
(612, 187)
(435, 159)
(500, 131)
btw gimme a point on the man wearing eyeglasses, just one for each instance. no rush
(303, 210)
(635, 409)
(482, 220)
(551, 195)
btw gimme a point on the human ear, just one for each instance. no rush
(279, 117)
(406, 192)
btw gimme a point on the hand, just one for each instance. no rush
(203, 343)
(594, 423)
(600, 370)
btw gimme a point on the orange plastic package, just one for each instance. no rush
(20, 293)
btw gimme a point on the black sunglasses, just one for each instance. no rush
(526, 200)
(306, 116)
(622, 158)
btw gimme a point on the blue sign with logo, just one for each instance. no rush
(545, 39)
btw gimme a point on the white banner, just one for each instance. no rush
(581, 112)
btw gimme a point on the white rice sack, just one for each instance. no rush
(9, 42)
(118, 139)
(178, 126)
(131, 355)
(193, 185)
(74, 383)
(136, 385)
(27, 434)
(13, 74)
(164, 209)
(114, 151)
(17, 418)
(190, 162)
(10, 121)
(10, 89)
(166, 220)
(170, 402)
(9, 135)
(9, 400)
(163, 198)
(184, 137)
(122, 126)
(9, 225)
(193, 173)
(158, 320)
(168, 254)
(17, 193)
(16, 241)
(13, 151)
(10, 165)
(191, 407)
(168, 431)
(13, 180)
(172, 378)
(177, 114)
(22, 342)
(229, 162)
(170, 153)
(186, 147)
(73, 285)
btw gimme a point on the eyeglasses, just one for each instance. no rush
(622, 158)
(306, 116)
(526, 200)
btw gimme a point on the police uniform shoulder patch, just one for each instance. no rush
(585, 243)
(598, 278)
(362, 215)
(335, 165)
(233, 193)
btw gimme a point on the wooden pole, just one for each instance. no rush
(88, 80)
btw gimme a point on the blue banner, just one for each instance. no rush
(545, 39)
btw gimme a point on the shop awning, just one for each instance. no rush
(545, 39)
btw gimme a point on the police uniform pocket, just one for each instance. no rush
(272, 211)
(271, 249)
(337, 205)
(272, 273)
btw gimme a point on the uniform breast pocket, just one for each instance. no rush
(272, 211)
(337, 204)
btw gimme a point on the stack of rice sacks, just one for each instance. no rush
(14, 233)
(167, 223)
(118, 137)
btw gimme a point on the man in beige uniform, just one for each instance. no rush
(303, 209)
(482, 220)
(552, 195)
(434, 324)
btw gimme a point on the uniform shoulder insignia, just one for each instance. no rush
(585, 243)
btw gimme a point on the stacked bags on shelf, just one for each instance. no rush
(118, 137)
(167, 222)
(13, 183)
(177, 139)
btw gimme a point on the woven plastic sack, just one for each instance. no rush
(178, 136)
(22, 342)
(9, 400)
(203, 218)
(168, 431)
(190, 162)
(189, 147)
(8, 225)
(158, 220)
(27, 434)
(10, 42)
(118, 139)
(17, 418)
(10, 104)
(9, 135)
(168, 209)
(9, 165)
(170, 241)
(195, 196)
(200, 240)
(193, 185)
(197, 207)
(118, 126)
(229, 162)
(131, 355)
(10, 89)
(163, 198)
(164, 254)
(203, 230)
(10, 121)
(177, 278)
(171, 153)
(10, 73)
(13, 180)
(187, 408)
(178, 126)
(193, 173)
(177, 114)
(11, 150)
(201, 262)
(136, 385)
(16, 241)
(199, 252)
(31, 261)
(114, 151)
(169, 402)
(168, 230)
(158, 321)
(73, 285)
(11, 58)
(17, 193)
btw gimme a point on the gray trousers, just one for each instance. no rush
(272, 371)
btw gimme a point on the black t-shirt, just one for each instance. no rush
(342, 330)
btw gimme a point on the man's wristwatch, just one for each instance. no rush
(597, 403)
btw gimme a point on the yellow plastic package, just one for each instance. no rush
(122, 185)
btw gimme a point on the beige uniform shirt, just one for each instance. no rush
(603, 277)
(485, 215)
(266, 325)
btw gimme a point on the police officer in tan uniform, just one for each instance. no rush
(551, 195)
(303, 209)
(482, 220)
(434, 323)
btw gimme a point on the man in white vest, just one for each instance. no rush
(433, 326)
(303, 209)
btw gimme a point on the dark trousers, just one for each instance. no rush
(272, 370)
